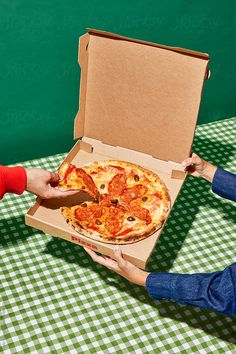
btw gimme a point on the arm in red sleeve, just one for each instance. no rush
(12, 180)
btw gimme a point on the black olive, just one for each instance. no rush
(130, 218)
(102, 186)
(78, 224)
(67, 220)
(136, 178)
(98, 222)
(114, 201)
(84, 205)
(144, 199)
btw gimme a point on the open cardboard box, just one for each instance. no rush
(139, 102)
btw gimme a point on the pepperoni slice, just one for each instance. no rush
(83, 213)
(117, 184)
(98, 212)
(141, 213)
(125, 232)
(93, 227)
(158, 195)
(114, 220)
(105, 199)
(70, 168)
(88, 181)
(88, 213)
(118, 167)
(88, 216)
(132, 193)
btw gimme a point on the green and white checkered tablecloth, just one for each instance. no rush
(54, 299)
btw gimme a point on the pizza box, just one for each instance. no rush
(139, 102)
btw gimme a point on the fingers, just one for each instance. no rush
(90, 252)
(186, 162)
(94, 256)
(54, 178)
(56, 193)
(63, 194)
(118, 256)
(194, 160)
(107, 262)
(115, 265)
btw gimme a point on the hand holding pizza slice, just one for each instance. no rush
(74, 178)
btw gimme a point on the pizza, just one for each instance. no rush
(75, 178)
(129, 202)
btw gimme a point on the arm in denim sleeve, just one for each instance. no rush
(224, 184)
(215, 291)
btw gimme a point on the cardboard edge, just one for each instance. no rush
(32, 211)
(174, 49)
(207, 75)
(183, 178)
(83, 62)
(118, 153)
(72, 153)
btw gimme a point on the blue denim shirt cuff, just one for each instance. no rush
(174, 286)
(158, 285)
(224, 184)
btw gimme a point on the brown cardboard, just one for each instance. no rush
(119, 102)
(162, 85)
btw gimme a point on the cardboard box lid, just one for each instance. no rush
(139, 95)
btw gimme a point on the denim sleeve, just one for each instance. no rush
(215, 291)
(224, 184)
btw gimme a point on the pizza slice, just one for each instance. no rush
(75, 178)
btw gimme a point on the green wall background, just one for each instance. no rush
(39, 74)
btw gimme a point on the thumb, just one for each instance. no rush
(194, 160)
(54, 178)
(118, 256)
(187, 162)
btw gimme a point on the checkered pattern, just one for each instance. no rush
(56, 300)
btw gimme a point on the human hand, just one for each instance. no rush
(121, 266)
(41, 182)
(196, 166)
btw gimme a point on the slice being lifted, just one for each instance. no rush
(76, 178)
(133, 202)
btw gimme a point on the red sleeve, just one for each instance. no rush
(12, 180)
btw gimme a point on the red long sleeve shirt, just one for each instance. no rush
(12, 180)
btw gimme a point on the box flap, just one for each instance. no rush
(139, 95)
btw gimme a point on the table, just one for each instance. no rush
(56, 300)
